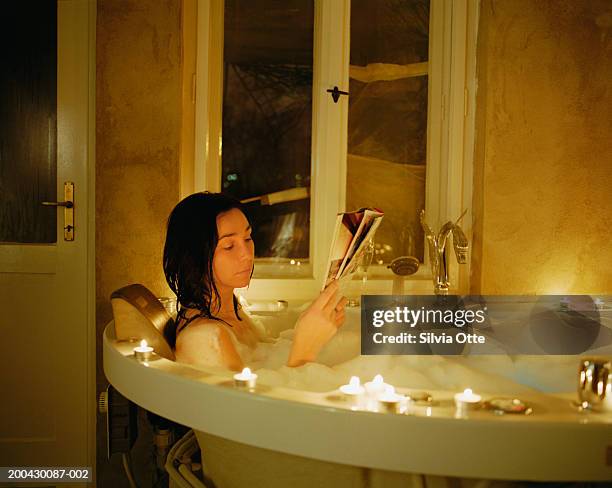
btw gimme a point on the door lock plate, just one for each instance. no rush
(69, 211)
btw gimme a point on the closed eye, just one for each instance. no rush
(229, 248)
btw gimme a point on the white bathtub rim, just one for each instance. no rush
(451, 440)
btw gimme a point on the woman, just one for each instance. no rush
(209, 252)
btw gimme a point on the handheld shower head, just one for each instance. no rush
(404, 265)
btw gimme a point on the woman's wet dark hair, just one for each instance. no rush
(191, 239)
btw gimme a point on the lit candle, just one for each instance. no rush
(376, 387)
(353, 391)
(390, 401)
(468, 400)
(353, 387)
(245, 379)
(143, 352)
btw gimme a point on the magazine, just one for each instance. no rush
(352, 233)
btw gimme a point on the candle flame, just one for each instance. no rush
(354, 382)
(389, 390)
(468, 392)
(246, 372)
(143, 343)
(378, 379)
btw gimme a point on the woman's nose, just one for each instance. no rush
(245, 252)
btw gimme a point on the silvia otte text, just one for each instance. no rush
(428, 338)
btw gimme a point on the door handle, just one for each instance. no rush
(68, 205)
(59, 204)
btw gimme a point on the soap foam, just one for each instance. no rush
(340, 359)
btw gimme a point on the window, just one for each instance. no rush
(387, 119)
(265, 123)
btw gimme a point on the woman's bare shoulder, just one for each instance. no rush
(207, 342)
(202, 328)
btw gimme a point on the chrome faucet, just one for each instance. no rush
(437, 250)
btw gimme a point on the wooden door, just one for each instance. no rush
(47, 348)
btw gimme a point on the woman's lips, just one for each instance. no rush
(245, 271)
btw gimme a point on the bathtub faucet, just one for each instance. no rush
(437, 250)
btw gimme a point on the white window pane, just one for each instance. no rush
(267, 119)
(387, 122)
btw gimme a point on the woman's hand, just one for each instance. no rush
(317, 325)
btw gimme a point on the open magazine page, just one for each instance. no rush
(353, 262)
(368, 219)
(353, 230)
(347, 225)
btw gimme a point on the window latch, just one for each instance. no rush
(335, 93)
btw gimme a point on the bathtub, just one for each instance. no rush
(285, 437)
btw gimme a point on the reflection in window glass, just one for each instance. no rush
(387, 122)
(267, 118)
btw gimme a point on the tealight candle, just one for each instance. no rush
(143, 352)
(390, 401)
(468, 400)
(245, 379)
(353, 390)
(376, 387)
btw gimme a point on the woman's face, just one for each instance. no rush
(233, 258)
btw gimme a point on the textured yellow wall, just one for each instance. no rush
(138, 127)
(138, 130)
(543, 203)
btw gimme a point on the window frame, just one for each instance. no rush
(450, 137)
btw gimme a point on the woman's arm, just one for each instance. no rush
(207, 343)
(316, 326)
